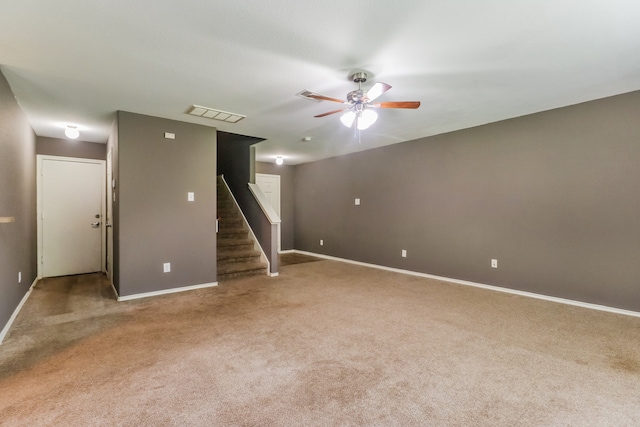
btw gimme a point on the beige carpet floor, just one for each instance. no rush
(323, 344)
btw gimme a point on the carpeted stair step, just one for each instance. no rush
(230, 222)
(228, 211)
(244, 256)
(232, 270)
(227, 222)
(230, 217)
(226, 206)
(232, 233)
(234, 244)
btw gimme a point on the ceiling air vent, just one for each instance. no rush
(210, 113)
(306, 94)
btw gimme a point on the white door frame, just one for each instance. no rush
(39, 159)
(108, 218)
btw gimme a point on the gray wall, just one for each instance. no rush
(70, 148)
(554, 196)
(156, 223)
(287, 206)
(18, 199)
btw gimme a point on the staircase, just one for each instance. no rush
(237, 254)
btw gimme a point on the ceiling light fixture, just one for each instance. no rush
(363, 118)
(279, 160)
(357, 114)
(348, 118)
(72, 132)
(366, 119)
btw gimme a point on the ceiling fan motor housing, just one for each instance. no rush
(356, 96)
(360, 77)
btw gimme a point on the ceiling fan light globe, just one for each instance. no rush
(366, 119)
(348, 118)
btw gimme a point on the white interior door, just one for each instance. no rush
(71, 205)
(270, 187)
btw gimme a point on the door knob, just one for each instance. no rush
(108, 225)
(95, 224)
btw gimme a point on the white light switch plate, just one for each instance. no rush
(357, 202)
(169, 135)
(191, 196)
(166, 267)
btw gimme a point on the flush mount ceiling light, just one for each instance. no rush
(210, 113)
(279, 160)
(72, 132)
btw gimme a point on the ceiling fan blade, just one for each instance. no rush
(377, 90)
(400, 104)
(331, 112)
(324, 98)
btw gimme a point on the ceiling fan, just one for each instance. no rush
(359, 103)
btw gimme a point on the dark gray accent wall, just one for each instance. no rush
(287, 206)
(156, 223)
(70, 148)
(18, 247)
(553, 196)
(235, 162)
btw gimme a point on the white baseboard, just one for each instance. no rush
(166, 291)
(6, 328)
(276, 274)
(288, 251)
(483, 286)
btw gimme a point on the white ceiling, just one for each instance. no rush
(469, 62)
